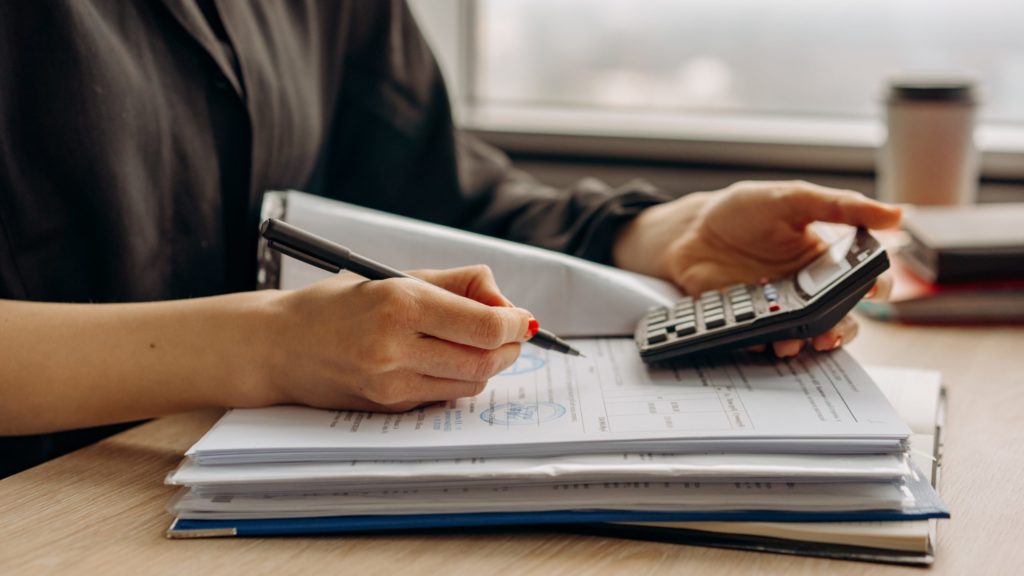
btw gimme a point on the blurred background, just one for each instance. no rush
(782, 57)
(721, 89)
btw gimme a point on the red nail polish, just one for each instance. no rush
(837, 343)
(532, 328)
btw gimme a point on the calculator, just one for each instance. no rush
(805, 304)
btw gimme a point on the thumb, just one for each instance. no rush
(806, 203)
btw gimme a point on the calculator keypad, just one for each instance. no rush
(711, 310)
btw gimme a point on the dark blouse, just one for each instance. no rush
(136, 139)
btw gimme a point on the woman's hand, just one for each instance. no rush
(342, 343)
(748, 231)
(392, 345)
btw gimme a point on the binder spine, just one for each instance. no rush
(268, 272)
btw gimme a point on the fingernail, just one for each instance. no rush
(872, 291)
(532, 328)
(837, 342)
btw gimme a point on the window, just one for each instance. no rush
(783, 57)
(729, 73)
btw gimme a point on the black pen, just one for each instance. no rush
(334, 258)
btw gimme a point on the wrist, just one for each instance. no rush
(259, 361)
(645, 244)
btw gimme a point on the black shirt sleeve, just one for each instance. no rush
(393, 146)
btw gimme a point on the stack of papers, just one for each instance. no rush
(550, 404)
(557, 440)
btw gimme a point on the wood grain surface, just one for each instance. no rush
(101, 510)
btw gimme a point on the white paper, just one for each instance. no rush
(571, 296)
(635, 496)
(322, 476)
(550, 404)
(913, 392)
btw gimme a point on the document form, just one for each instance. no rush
(549, 404)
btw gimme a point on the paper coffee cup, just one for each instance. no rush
(929, 157)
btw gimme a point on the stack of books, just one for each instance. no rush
(602, 443)
(957, 264)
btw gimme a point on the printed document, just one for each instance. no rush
(550, 404)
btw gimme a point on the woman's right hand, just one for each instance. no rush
(390, 345)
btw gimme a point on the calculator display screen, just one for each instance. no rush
(827, 268)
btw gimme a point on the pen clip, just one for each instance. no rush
(302, 256)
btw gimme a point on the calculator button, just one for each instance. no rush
(743, 314)
(774, 307)
(685, 328)
(657, 338)
(658, 326)
(656, 318)
(713, 322)
(689, 317)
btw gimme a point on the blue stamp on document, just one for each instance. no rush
(516, 414)
(526, 363)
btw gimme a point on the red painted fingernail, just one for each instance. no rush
(837, 342)
(872, 291)
(532, 328)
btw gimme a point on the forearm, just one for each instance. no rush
(67, 366)
(582, 220)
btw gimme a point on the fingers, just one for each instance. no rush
(787, 348)
(806, 203)
(843, 332)
(882, 288)
(441, 359)
(407, 390)
(451, 317)
(475, 282)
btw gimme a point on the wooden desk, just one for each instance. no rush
(101, 510)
